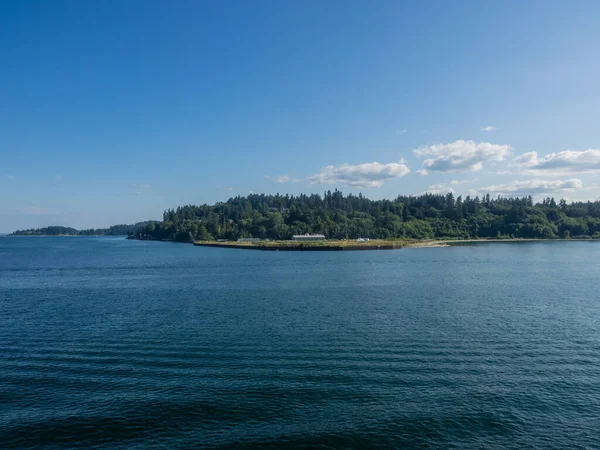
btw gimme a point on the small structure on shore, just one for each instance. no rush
(254, 240)
(308, 237)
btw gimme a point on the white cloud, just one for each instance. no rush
(282, 179)
(361, 175)
(457, 182)
(402, 131)
(438, 186)
(437, 189)
(445, 188)
(561, 163)
(225, 188)
(461, 156)
(489, 128)
(534, 187)
(421, 172)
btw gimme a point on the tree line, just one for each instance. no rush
(337, 216)
(115, 230)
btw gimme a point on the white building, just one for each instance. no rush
(308, 237)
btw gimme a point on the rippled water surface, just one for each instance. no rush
(109, 343)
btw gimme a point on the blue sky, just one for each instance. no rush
(111, 112)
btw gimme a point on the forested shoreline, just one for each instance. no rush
(337, 216)
(115, 230)
(428, 216)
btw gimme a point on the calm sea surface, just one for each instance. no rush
(109, 343)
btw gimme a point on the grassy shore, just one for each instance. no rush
(373, 244)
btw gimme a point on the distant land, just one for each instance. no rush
(115, 230)
(336, 216)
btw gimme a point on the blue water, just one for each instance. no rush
(109, 343)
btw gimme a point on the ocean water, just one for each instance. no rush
(109, 343)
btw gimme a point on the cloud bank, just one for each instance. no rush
(561, 163)
(361, 175)
(282, 179)
(533, 187)
(461, 156)
(437, 189)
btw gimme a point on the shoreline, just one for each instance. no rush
(62, 235)
(44, 235)
(517, 240)
(306, 246)
(371, 245)
(337, 245)
(332, 245)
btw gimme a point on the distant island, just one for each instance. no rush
(115, 230)
(341, 217)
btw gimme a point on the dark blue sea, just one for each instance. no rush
(109, 343)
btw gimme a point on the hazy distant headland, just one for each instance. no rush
(115, 230)
(337, 217)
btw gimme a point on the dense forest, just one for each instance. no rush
(115, 230)
(337, 216)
